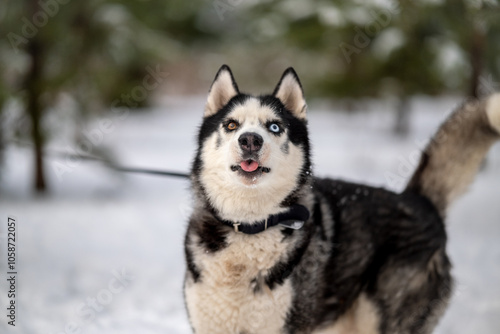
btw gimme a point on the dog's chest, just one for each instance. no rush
(231, 296)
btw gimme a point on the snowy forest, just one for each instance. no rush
(79, 58)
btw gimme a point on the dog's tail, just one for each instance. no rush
(451, 159)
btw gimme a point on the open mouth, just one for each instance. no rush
(250, 168)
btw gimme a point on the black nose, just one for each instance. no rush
(250, 142)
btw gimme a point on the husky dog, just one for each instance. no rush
(272, 249)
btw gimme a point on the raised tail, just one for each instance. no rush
(451, 159)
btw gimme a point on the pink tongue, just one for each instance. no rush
(249, 167)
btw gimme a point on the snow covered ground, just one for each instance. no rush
(103, 253)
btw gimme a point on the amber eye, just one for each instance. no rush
(232, 126)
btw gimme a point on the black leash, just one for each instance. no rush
(149, 171)
(125, 169)
(109, 164)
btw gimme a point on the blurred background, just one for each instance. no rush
(124, 81)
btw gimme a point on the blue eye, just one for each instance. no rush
(273, 127)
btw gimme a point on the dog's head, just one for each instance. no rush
(253, 153)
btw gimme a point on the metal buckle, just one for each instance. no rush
(265, 226)
(235, 225)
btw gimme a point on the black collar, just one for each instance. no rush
(294, 218)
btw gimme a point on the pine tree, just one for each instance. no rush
(93, 51)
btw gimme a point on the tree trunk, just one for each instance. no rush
(402, 125)
(477, 45)
(34, 108)
(477, 88)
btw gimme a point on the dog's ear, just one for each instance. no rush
(223, 89)
(289, 91)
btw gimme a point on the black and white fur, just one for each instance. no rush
(367, 261)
